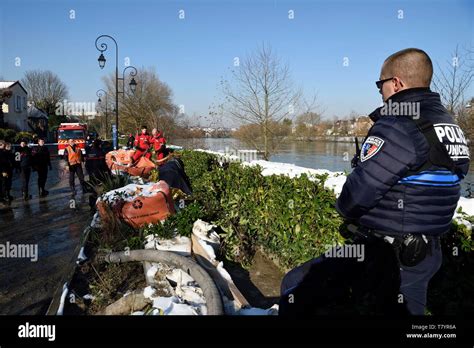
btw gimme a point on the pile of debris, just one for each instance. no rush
(180, 287)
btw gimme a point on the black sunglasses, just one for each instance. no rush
(380, 83)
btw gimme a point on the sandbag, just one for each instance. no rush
(142, 168)
(122, 160)
(136, 205)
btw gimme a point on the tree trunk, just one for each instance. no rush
(266, 153)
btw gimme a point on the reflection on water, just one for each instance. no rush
(319, 155)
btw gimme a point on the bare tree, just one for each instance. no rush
(151, 104)
(45, 89)
(452, 81)
(465, 119)
(261, 92)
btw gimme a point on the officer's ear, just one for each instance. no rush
(398, 84)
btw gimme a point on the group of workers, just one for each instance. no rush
(24, 160)
(96, 166)
(144, 143)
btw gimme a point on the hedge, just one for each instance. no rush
(292, 219)
(10, 135)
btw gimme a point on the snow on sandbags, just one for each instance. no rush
(122, 160)
(137, 205)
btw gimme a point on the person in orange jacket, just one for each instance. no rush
(142, 144)
(159, 144)
(74, 159)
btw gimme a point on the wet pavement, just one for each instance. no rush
(54, 224)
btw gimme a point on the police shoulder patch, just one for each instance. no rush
(370, 148)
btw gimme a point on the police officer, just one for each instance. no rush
(74, 159)
(42, 161)
(25, 163)
(406, 183)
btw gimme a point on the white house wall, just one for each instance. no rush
(16, 117)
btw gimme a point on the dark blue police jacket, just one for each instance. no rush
(386, 192)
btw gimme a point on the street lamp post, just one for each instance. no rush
(100, 93)
(133, 84)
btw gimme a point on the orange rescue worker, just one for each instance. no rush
(142, 145)
(74, 159)
(159, 144)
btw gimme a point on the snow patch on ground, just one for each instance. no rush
(334, 181)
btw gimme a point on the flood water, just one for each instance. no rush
(333, 156)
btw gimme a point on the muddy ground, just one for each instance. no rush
(260, 283)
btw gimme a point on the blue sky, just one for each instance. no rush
(192, 54)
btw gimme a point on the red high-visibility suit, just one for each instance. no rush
(142, 144)
(159, 143)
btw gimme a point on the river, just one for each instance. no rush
(334, 156)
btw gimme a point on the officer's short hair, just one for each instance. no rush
(412, 65)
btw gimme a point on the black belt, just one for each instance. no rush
(410, 249)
